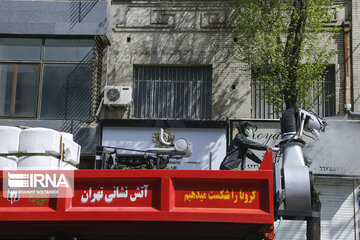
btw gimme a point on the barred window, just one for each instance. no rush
(263, 110)
(176, 92)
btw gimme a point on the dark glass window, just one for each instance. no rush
(18, 85)
(327, 108)
(26, 90)
(79, 50)
(20, 49)
(6, 77)
(66, 91)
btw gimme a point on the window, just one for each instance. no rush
(327, 108)
(265, 111)
(18, 89)
(66, 91)
(67, 71)
(46, 78)
(172, 92)
(20, 49)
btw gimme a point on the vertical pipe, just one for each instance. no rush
(347, 106)
(210, 159)
(347, 64)
(157, 163)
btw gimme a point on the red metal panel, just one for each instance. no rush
(158, 195)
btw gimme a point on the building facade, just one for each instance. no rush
(51, 55)
(171, 64)
(177, 60)
(152, 39)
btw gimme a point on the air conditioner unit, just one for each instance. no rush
(117, 95)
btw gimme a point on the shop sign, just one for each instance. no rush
(335, 153)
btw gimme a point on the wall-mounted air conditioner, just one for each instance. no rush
(117, 95)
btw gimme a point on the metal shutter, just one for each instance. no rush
(337, 214)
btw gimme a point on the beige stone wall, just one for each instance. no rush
(191, 33)
(179, 35)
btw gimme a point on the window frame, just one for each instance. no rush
(40, 77)
(13, 89)
(76, 64)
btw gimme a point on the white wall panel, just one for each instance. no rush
(203, 142)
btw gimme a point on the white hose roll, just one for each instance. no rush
(38, 163)
(9, 139)
(8, 163)
(40, 140)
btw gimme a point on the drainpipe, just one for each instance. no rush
(347, 105)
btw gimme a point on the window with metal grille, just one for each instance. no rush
(263, 110)
(172, 92)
